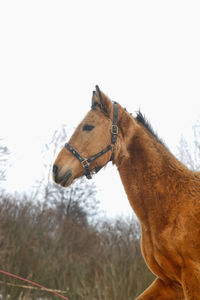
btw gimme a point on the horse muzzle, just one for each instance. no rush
(64, 179)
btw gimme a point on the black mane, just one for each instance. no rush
(140, 118)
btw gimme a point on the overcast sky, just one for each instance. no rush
(143, 54)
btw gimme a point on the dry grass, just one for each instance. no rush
(58, 248)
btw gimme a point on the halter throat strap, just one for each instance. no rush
(85, 162)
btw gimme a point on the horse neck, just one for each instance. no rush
(149, 172)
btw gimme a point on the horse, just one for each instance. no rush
(164, 193)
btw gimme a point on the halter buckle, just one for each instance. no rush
(85, 163)
(114, 129)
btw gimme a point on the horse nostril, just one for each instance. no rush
(55, 170)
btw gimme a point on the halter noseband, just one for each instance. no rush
(85, 162)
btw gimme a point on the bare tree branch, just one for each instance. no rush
(189, 153)
(4, 152)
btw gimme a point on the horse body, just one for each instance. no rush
(164, 194)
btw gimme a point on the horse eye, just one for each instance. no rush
(88, 127)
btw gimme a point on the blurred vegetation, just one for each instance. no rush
(4, 153)
(189, 153)
(57, 247)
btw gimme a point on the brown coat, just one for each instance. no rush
(164, 194)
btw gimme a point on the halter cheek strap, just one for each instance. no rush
(86, 162)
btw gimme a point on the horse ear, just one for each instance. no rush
(100, 99)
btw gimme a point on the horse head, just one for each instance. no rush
(92, 144)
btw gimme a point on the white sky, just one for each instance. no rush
(143, 54)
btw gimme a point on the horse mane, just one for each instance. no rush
(141, 119)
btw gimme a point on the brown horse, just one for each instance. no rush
(164, 194)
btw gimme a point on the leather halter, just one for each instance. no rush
(85, 162)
